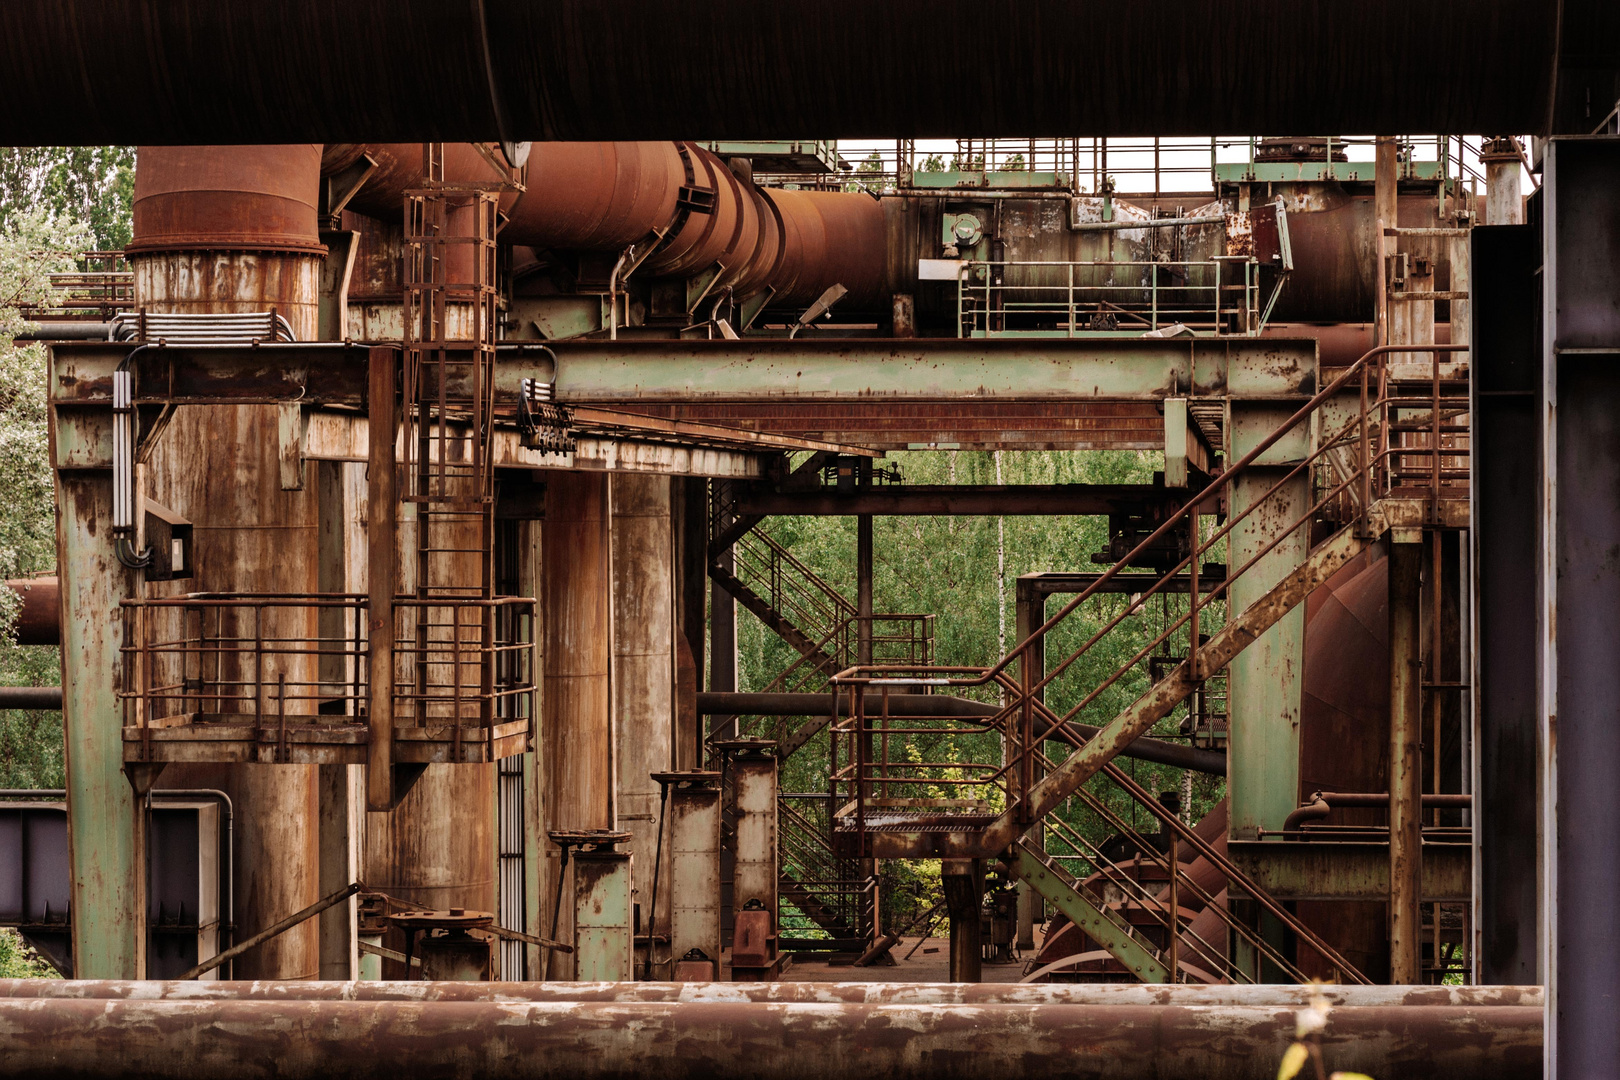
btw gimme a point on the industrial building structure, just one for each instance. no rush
(407, 492)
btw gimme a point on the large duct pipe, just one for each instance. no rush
(233, 229)
(827, 238)
(334, 70)
(39, 621)
(891, 993)
(67, 1039)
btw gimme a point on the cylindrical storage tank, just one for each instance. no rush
(233, 229)
(829, 238)
(585, 196)
(697, 239)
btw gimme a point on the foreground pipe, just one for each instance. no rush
(291, 1040)
(872, 993)
(48, 698)
(746, 704)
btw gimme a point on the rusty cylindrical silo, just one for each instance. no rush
(233, 229)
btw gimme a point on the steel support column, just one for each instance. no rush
(1030, 614)
(1579, 622)
(962, 881)
(1505, 461)
(1405, 758)
(106, 819)
(1266, 678)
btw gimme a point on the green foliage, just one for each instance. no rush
(92, 184)
(18, 961)
(933, 163)
(33, 244)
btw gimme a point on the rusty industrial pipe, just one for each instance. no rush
(39, 622)
(65, 1039)
(1249, 995)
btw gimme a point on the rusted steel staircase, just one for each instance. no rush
(1363, 468)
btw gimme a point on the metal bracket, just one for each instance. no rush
(544, 424)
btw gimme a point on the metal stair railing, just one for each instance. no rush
(1027, 801)
(1368, 435)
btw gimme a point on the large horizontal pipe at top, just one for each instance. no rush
(870, 993)
(67, 1039)
(412, 70)
(718, 703)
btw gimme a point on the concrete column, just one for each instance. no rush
(1405, 757)
(1504, 205)
(106, 818)
(644, 635)
(962, 881)
(576, 746)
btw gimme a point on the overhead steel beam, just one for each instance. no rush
(954, 370)
(1143, 749)
(960, 500)
(416, 70)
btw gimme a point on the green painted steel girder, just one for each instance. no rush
(951, 369)
(777, 369)
(1348, 869)
(1130, 951)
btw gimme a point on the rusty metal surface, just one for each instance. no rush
(64, 1039)
(218, 466)
(643, 584)
(829, 238)
(39, 621)
(515, 70)
(226, 198)
(874, 993)
(596, 195)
